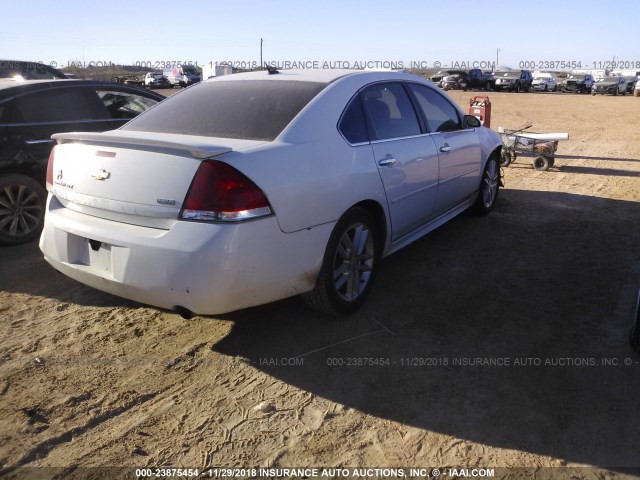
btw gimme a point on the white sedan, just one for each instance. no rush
(254, 187)
(544, 83)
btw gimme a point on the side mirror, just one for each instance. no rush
(471, 122)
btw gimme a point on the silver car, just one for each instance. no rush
(249, 188)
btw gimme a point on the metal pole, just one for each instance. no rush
(261, 54)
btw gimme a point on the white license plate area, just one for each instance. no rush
(99, 256)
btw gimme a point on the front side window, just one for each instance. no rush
(56, 105)
(439, 113)
(124, 104)
(389, 112)
(243, 109)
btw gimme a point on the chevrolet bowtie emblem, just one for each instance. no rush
(101, 175)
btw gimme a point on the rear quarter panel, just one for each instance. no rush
(310, 174)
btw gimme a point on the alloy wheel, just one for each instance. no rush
(20, 210)
(353, 262)
(490, 182)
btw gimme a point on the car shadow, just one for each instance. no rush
(509, 330)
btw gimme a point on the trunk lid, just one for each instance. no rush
(132, 177)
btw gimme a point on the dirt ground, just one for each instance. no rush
(492, 342)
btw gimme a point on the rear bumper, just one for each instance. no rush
(205, 268)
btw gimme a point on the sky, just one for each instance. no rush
(465, 32)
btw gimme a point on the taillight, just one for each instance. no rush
(220, 193)
(49, 180)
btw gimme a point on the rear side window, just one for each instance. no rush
(389, 112)
(124, 104)
(353, 125)
(244, 109)
(439, 113)
(57, 105)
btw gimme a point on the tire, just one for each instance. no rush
(615, 92)
(546, 88)
(505, 158)
(355, 265)
(489, 187)
(593, 93)
(518, 88)
(541, 163)
(636, 93)
(22, 217)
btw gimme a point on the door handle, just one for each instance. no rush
(387, 162)
(445, 149)
(36, 141)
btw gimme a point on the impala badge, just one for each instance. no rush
(101, 175)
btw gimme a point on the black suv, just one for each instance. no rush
(32, 111)
(513, 81)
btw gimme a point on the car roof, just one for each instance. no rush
(10, 87)
(315, 75)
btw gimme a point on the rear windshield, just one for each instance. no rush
(28, 70)
(244, 109)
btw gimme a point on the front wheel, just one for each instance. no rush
(349, 267)
(489, 187)
(22, 204)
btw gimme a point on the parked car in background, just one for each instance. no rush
(456, 80)
(544, 82)
(155, 80)
(610, 85)
(578, 83)
(249, 188)
(631, 83)
(439, 75)
(22, 70)
(513, 81)
(30, 112)
(480, 79)
(181, 75)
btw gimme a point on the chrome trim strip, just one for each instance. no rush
(60, 122)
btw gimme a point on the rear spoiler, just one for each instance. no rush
(196, 150)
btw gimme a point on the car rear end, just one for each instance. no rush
(169, 219)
